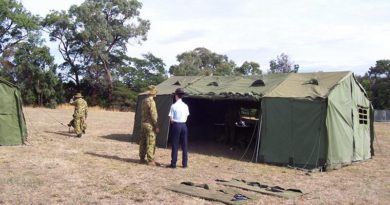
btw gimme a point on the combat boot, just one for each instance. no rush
(142, 161)
(151, 163)
(79, 136)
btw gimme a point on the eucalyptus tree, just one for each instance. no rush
(202, 61)
(248, 68)
(93, 36)
(62, 28)
(35, 73)
(139, 73)
(377, 83)
(283, 64)
(16, 23)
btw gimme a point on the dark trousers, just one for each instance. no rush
(179, 136)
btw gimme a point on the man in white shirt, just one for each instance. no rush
(178, 116)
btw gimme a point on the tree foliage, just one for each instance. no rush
(15, 24)
(63, 28)
(34, 72)
(248, 68)
(377, 83)
(283, 64)
(139, 73)
(202, 61)
(24, 60)
(93, 36)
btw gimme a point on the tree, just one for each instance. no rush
(248, 68)
(93, 36)
(189, 64)
(377, 82)
(139, 73)
(283, 64)
(202, 61)
(224, 68)
(23, 59)
(34, 72)
(15, 24)
(381, 69)
(63, 28)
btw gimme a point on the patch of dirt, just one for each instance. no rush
(102, 168)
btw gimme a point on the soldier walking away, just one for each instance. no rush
(149, 129)
(80, 114)
(178, 116)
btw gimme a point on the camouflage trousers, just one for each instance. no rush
(147, 143)
(79, 125)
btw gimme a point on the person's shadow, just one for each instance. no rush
(135, 161)
(67, 134)
(113, 157)
(118, 137)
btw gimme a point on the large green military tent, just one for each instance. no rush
(13, 129)
(307, 120)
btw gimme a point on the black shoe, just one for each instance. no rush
(185, 166)
(171, 166)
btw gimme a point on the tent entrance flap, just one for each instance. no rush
(293, 132)
(163, 104)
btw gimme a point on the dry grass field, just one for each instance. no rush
(102, 168)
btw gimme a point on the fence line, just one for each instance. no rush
(382, 115)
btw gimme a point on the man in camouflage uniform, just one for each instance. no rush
(149, 129)
(79, 115)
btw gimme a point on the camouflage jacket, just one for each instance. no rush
(80, 108)
(149, 111)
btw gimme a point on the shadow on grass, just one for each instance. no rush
(67, 134)
(220, 150)
(118, 137)
(129, 160)
(113, 157)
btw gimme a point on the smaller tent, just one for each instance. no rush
(13, 130)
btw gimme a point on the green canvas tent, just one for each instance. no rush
(306, 120)
(13, 129)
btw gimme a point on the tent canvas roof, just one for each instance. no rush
(2, 80)
(292, 85)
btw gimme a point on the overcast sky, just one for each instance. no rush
(319, 35)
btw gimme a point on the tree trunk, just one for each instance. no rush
(108, 78)
(77, 80)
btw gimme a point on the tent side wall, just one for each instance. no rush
(13, 129)
(293, 132)
(362, 121)
(163, 104)
(348, 124)
(21, 118)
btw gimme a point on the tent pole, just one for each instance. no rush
(258, 138)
